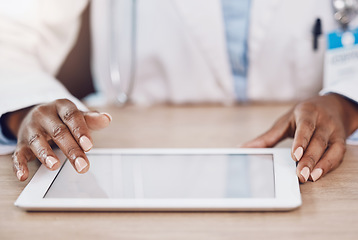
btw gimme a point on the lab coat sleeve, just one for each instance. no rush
(35, 38)
(347, 89)
(6, 145)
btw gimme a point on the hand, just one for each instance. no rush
(61, 122)
(320, 127)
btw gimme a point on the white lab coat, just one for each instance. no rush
(181, 51)
(182, 54)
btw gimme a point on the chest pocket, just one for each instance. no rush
(309, 62)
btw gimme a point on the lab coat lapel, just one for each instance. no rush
(204, 22)
(262, 12)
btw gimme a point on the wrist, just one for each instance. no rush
(349, 110)
(11, 121)
(5, 129)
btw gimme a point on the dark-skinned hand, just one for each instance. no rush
(59, 122)
(319, 127)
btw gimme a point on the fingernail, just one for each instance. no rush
(50, 161)
(107, 115)
(80, 164)
(316, 174)
(298, 153)
(305, 172)
(93, 114)
(19, 174)
(85, 143)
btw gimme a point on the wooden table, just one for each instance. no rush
(329, 210)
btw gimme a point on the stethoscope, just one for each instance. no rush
(344, 12)
(122, 95)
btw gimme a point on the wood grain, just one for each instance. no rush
(329, 210)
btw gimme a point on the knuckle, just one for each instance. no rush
(321, 140)
(62, 101)
(76, 131)
(42, 153)
(73, 152)
(19, 153)
(70, 114)
(15, 156)
(310, 161)
(305, 107)
(39, 111)
(39, 108)
(308, 124)
(63, 105)
(33, 138)
(59, 131)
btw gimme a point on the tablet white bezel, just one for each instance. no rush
(287, 193)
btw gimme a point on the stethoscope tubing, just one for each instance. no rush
(122, 95)
(344, 12)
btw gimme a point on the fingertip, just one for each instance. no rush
(253, 144)
(96, 121)
(20, 165)
(301, 179)
(85, 143)
(316, 174)
(304, 173)
(20, 174)
(97, 114)
(56, 166)
(81, 165)
(107, 115)
(52, 163)
(298, 153)
(245, 145)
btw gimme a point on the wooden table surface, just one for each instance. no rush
(329, 210)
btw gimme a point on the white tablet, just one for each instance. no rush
(169, 180)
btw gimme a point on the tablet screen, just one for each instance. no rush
(168, 176)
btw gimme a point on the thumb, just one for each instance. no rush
(96, 121)
(278, 132)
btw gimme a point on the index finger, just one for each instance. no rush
(63, 138)
(306, 119)
(74, 120)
